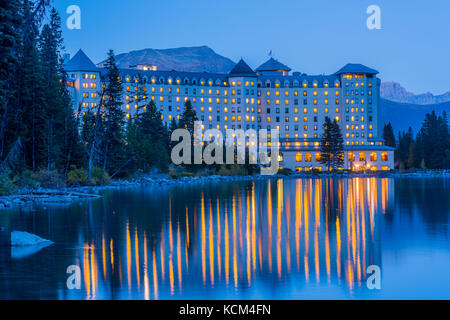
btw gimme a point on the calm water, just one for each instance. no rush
(278, 239)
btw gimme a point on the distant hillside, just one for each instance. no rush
(395, 92)
(404, 115)
(194, 59)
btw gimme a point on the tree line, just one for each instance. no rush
(428, 149)
(44, 138)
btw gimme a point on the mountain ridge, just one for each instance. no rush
(394, 91)
(192, 59)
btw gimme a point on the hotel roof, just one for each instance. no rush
(273, 65)
(242, 69)
(80, 62)
(356, 68)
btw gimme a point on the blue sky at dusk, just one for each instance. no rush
(314, 37)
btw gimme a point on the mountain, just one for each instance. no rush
(194, 59)
(395, 92)
(404, 115)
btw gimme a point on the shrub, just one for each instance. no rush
(187, 174)
(26, 179)
(99, 177)
(285, 171)
(49, 179)
(77, 177)
(6, 185)
(232, 170)
(172, 172)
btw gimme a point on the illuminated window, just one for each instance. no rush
(351, 156)
(373, 156)
(298, 157)
(308, 157)
(362, 156)
(384, 156)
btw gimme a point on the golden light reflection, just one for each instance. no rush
(136, 254)
(344, 220)
(128, 255)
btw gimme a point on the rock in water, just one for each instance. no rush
(21, 238)
(24, 244)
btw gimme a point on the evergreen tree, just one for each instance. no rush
(173, 125)
(187, 122)
(152, 140)
(32, 94)
(332, 145)
(188, 118)
(411, 156)
(338, 146)
(405, 140)
(113, 132)
(388, 135)
(10, 40)
(91, 134)
(435, 140)
(57, 110)
(326, 144)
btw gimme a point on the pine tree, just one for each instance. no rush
(187, 122)
(338, 146)
(188, 118)
(139, 96)
(435, 140)
(92, 132)
(113, 134)
(388, 135)
(152, 139)
(402, 153)
(411, 156)
(10, 31)
(326, 144)
(57, 105)
(31, 96)
(332, 145)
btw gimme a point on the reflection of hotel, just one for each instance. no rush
(271, 98)
(279, 234)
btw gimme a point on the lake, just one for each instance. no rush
(264, 239)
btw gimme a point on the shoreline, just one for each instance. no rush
(67, 195)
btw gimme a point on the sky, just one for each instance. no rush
(315, 37)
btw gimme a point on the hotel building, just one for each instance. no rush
(270, 97)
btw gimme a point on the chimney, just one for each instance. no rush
(66, 57)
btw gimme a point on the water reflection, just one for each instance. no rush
(243, 240)
(321, 209)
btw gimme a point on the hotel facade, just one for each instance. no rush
(270, 97)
